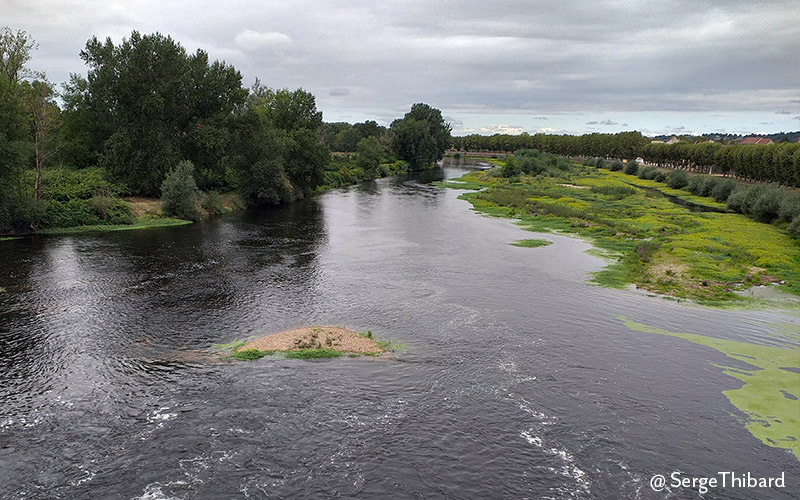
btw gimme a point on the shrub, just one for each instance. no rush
(614, 166)
(736, 199)
(790, 208)
(631, 168)
(767, 206)
(723, 190)
(648, 173)
(20, 214)
(743, 198)
(179, 193)
(695, 185)
(709, 183)
(660, 177)
(794, 227)
(677, 179)
(211, 202)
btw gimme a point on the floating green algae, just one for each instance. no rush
(532, 243)
(770, 396)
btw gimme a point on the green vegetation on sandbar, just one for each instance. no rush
(770, 395)
(141, 223)
(532, 243)
(654, 242)
(313, 354)
(250, 354)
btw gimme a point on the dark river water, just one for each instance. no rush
(518, 381)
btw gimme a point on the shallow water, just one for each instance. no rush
(519, 380)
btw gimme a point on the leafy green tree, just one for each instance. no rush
(19, 212)
(179, 193)
(421, 137)
(151, 103)
(287, 153)
(369, 156)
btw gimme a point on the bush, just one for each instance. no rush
(648, 173)
(736, 199)
(744, 198)
(677, 179)
(723, 190)
(790, 208)
(179, 193)
(631, 168)
(709, 183)
(695, 185)
(19, 215)
(614, 166)
(66, 184)
(794, 227)
(211, 202)
(660, 177)
(767, 206)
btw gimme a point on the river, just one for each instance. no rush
(519, 379)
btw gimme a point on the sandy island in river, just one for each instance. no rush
(316, 337)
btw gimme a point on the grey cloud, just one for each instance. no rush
(593, 122)
(783, 112)
(339, 92)
(512, 56)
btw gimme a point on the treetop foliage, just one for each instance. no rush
(421, 137)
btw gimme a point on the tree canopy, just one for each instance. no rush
(421, 137)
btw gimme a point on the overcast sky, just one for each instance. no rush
(490, 66)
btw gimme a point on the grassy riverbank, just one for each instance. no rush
(654, 242)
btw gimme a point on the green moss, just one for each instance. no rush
(313, 354)
(770, 394)
(532, 243)
(9, 238)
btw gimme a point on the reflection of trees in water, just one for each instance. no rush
(23, 343)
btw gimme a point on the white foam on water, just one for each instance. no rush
(153, 492)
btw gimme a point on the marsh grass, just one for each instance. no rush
(313, 354)
(532, 243)
(250, 354)
(650, 241)
(140, 223)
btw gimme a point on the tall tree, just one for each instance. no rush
(291, 119)
(150, 99)
(421, 137)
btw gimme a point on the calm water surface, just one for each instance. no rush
(518, 381)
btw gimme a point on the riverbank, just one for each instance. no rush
(652, 240)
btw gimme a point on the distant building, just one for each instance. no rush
(756, 140)
(673, 140)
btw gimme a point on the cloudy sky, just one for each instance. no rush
(504, 66)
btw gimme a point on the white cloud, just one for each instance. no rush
(253, 40)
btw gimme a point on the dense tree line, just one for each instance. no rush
(621, 145)
(148, 111)
(767, 163)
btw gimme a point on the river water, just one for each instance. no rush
(518, 381)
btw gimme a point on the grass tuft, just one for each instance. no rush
(532, 243)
